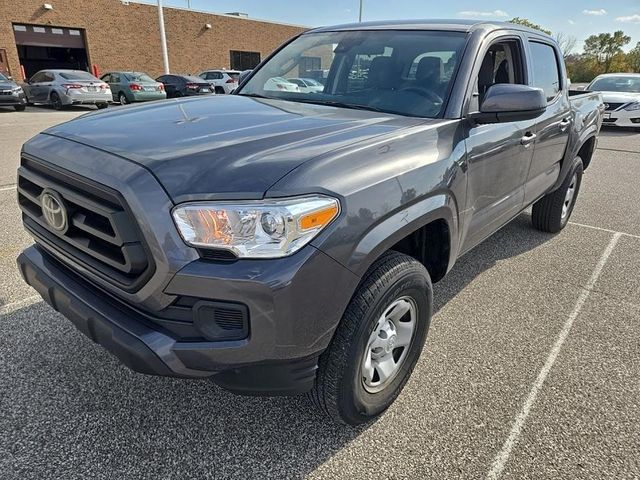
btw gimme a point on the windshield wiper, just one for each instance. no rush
(254, 95)
(335, 103)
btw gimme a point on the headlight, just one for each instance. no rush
(632, 107)
(256, 229)
(16, 90)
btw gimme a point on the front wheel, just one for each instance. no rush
(552, 212)
(102, 105)
(377, 342)
(19, 108)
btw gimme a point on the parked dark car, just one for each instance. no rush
(11, 94)
(282, 242)
(130, 87)
(185, 85)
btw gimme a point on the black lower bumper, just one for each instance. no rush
(145, 347)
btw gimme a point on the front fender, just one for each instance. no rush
(393, 228)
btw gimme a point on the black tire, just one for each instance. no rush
(102, 105)
(20, 108)
(56, 103)
(219, 91)
(549, 214)
(339, 389)
(122, 98)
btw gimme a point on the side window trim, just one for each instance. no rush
(499, 37)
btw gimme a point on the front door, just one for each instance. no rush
(498, 155)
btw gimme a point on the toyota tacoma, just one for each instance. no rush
(283, 242)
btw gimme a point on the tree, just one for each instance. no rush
(633, 59)
(530, 24)
(605, 47)
(567, 43)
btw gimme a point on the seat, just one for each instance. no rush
(485, 76)
(502, 74)
(382, 73)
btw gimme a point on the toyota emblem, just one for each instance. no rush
(54, 211)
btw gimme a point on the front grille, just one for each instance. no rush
(609, 120)
(612, 106)
(101, 234)
(5, 92)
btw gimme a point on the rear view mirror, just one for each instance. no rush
(506, 102)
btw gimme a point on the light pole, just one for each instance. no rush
(163, 38)
(360, 16)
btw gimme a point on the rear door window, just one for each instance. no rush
(546, 70)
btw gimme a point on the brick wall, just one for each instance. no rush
(126, 37)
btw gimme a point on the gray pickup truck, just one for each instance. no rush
(283, 242)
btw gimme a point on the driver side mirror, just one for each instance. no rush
(505, 102)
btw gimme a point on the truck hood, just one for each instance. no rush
(225, 146)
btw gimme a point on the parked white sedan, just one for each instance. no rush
(621, 95)
(307, 85)
(281, 84)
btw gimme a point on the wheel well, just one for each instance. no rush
(430, 245)
(586, 151)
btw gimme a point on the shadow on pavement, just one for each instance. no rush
(71, 410)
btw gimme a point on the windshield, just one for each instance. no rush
(3, 78)
(616, 84)
(403, 72)
(78, 76)
(139, 77)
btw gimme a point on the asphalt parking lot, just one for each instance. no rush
(531, 369)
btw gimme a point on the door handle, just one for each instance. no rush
(528, 139)
(564, 124)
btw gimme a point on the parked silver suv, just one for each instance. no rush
(61, 88)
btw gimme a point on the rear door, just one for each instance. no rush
(553, 127)
(498, 155)
(108, 80)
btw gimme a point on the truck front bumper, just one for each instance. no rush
(267, 362)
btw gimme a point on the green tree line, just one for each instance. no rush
(603, 53)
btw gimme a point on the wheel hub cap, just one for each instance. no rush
(388, 344)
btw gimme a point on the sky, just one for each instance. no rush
(578, 18)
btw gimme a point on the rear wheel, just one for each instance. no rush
(56, 102)
(219, 91)
(377, 343)
(552, 212)
(19, 108)
(102, 105)
(122, 98)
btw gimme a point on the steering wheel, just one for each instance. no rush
(433, 97)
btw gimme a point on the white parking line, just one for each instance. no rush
(4, 189)
(604, 229)
(502, 458)
(14, 306)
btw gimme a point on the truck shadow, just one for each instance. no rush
(74, 408)
(514, 239)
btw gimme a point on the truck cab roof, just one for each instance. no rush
(455, 25)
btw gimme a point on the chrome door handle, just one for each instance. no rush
(528, 139)
(564, 124)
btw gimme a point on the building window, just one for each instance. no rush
(309, 64)
(244, 60)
